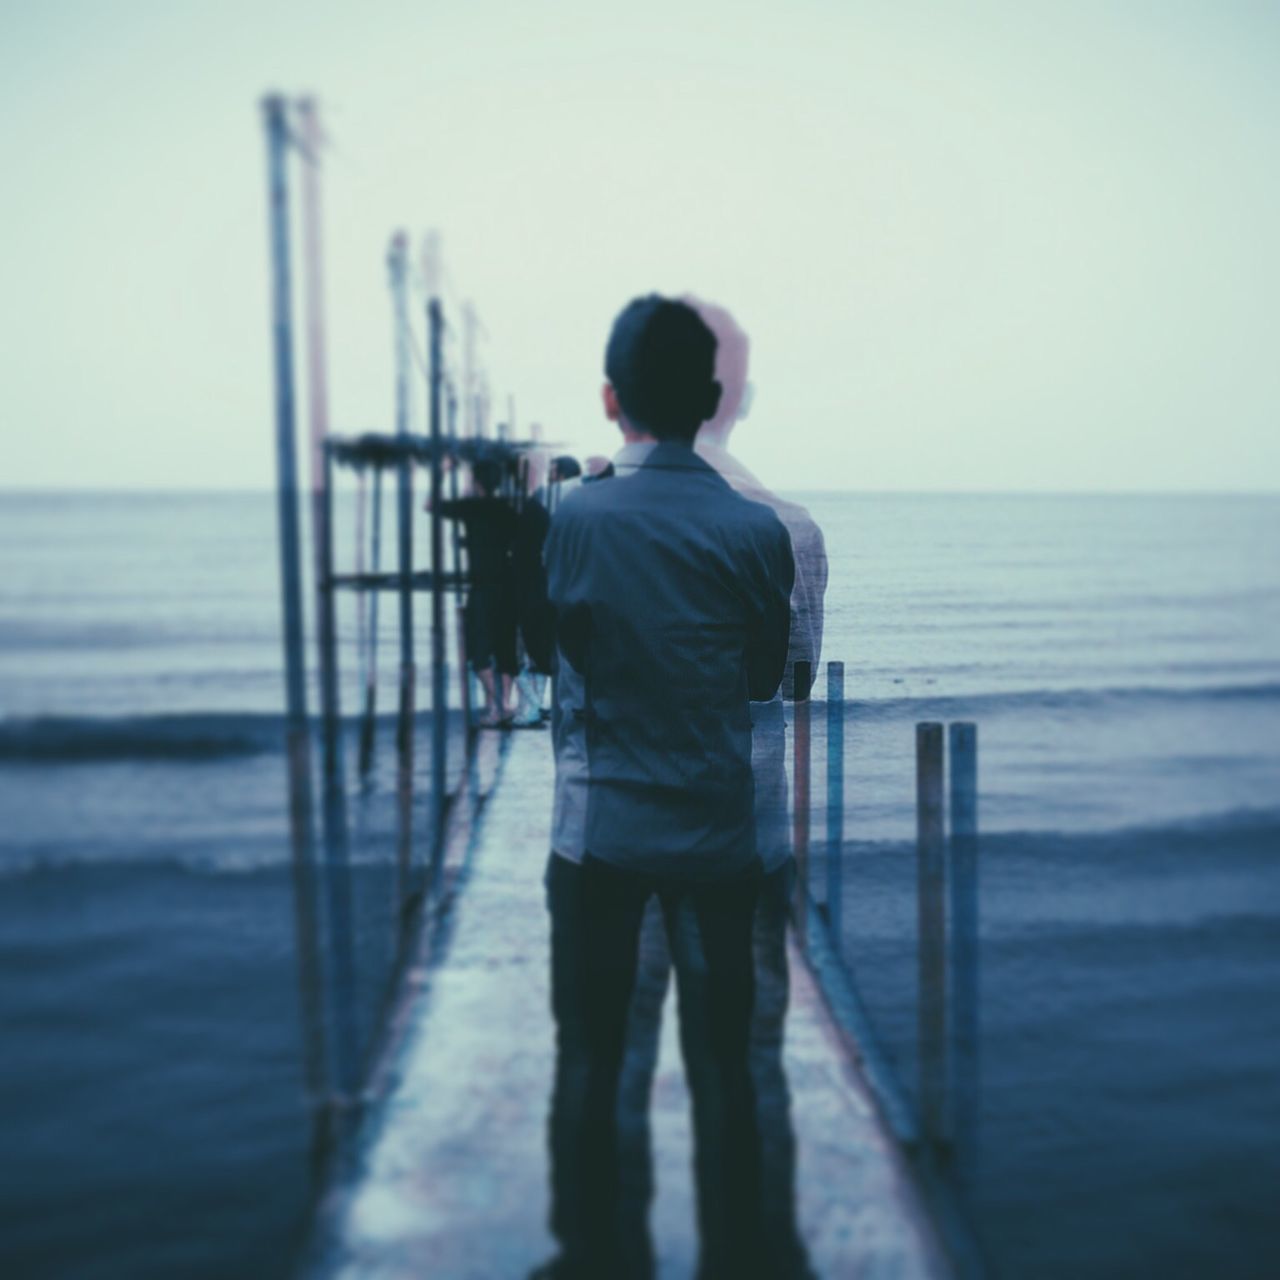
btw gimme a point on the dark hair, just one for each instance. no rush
(566, 466)
(661, 360)
(488, 476)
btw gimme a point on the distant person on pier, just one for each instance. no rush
(563, 477)
(490, 524)
(672, 596)
(535, 618)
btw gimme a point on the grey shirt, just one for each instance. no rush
(672, 595)
(568, 729)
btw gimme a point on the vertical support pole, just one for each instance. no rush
(297, 734)
(932, 927)
(361, 565)
(371, 669)
(835, 802)
(336, 848)
(337, 871)
(469, 388)
(464, 674)
(321, 472)
(803, 678)
(965, 1013)
(439, 698)
(397, 261)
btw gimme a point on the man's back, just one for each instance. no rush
(673, 597)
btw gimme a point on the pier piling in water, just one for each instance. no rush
(397, 262)
(802, 678)
(301, 817)
(932, 930)
(963, 859)
(835, 800)
(369, 723)
(439, 709)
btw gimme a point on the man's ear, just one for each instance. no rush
(714, 392)
(612, 409)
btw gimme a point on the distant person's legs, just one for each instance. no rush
(483, 636)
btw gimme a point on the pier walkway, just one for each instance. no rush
(447, 1176)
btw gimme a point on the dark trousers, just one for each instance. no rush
(782, 1253)
(597, 912)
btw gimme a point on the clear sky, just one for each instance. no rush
(982, 246)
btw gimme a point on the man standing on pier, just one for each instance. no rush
(672, 595)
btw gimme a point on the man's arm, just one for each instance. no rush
(805, 645)
(769, 628)
(564, 590)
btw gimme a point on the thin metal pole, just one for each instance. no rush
(835, 802)
(439, 699)
(464, 675)
(469, 405)
(371, 670)
(336, 848)
(297, 734)
(803, 678)
(321, 473)
(966, 1007)
(362, 618)
(932, 930)
(397, 261)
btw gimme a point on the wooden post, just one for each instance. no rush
(297, 733)
(802, 679)
(371, 670)
(932, 926)
(439, 698)
(835, 802)
(965, 1012)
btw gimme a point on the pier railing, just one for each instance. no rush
(934, 1113)
(352, 942)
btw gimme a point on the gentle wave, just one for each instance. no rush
(976, 704)
(195, 736)
(172, 737)
(209, 735)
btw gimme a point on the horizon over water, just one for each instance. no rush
(1119, 652)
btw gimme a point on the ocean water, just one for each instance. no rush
(1120, 655)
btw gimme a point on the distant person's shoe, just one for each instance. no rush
(558, 1268)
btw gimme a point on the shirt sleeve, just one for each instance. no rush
(566, 589)
(769, 624)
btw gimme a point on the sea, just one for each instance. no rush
(1119, 654)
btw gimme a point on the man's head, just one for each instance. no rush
(660, 362)
(565, 467)
(487, 476)
(733, 352)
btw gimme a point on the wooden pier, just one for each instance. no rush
(447, 1173)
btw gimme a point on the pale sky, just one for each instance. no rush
(994, 246)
